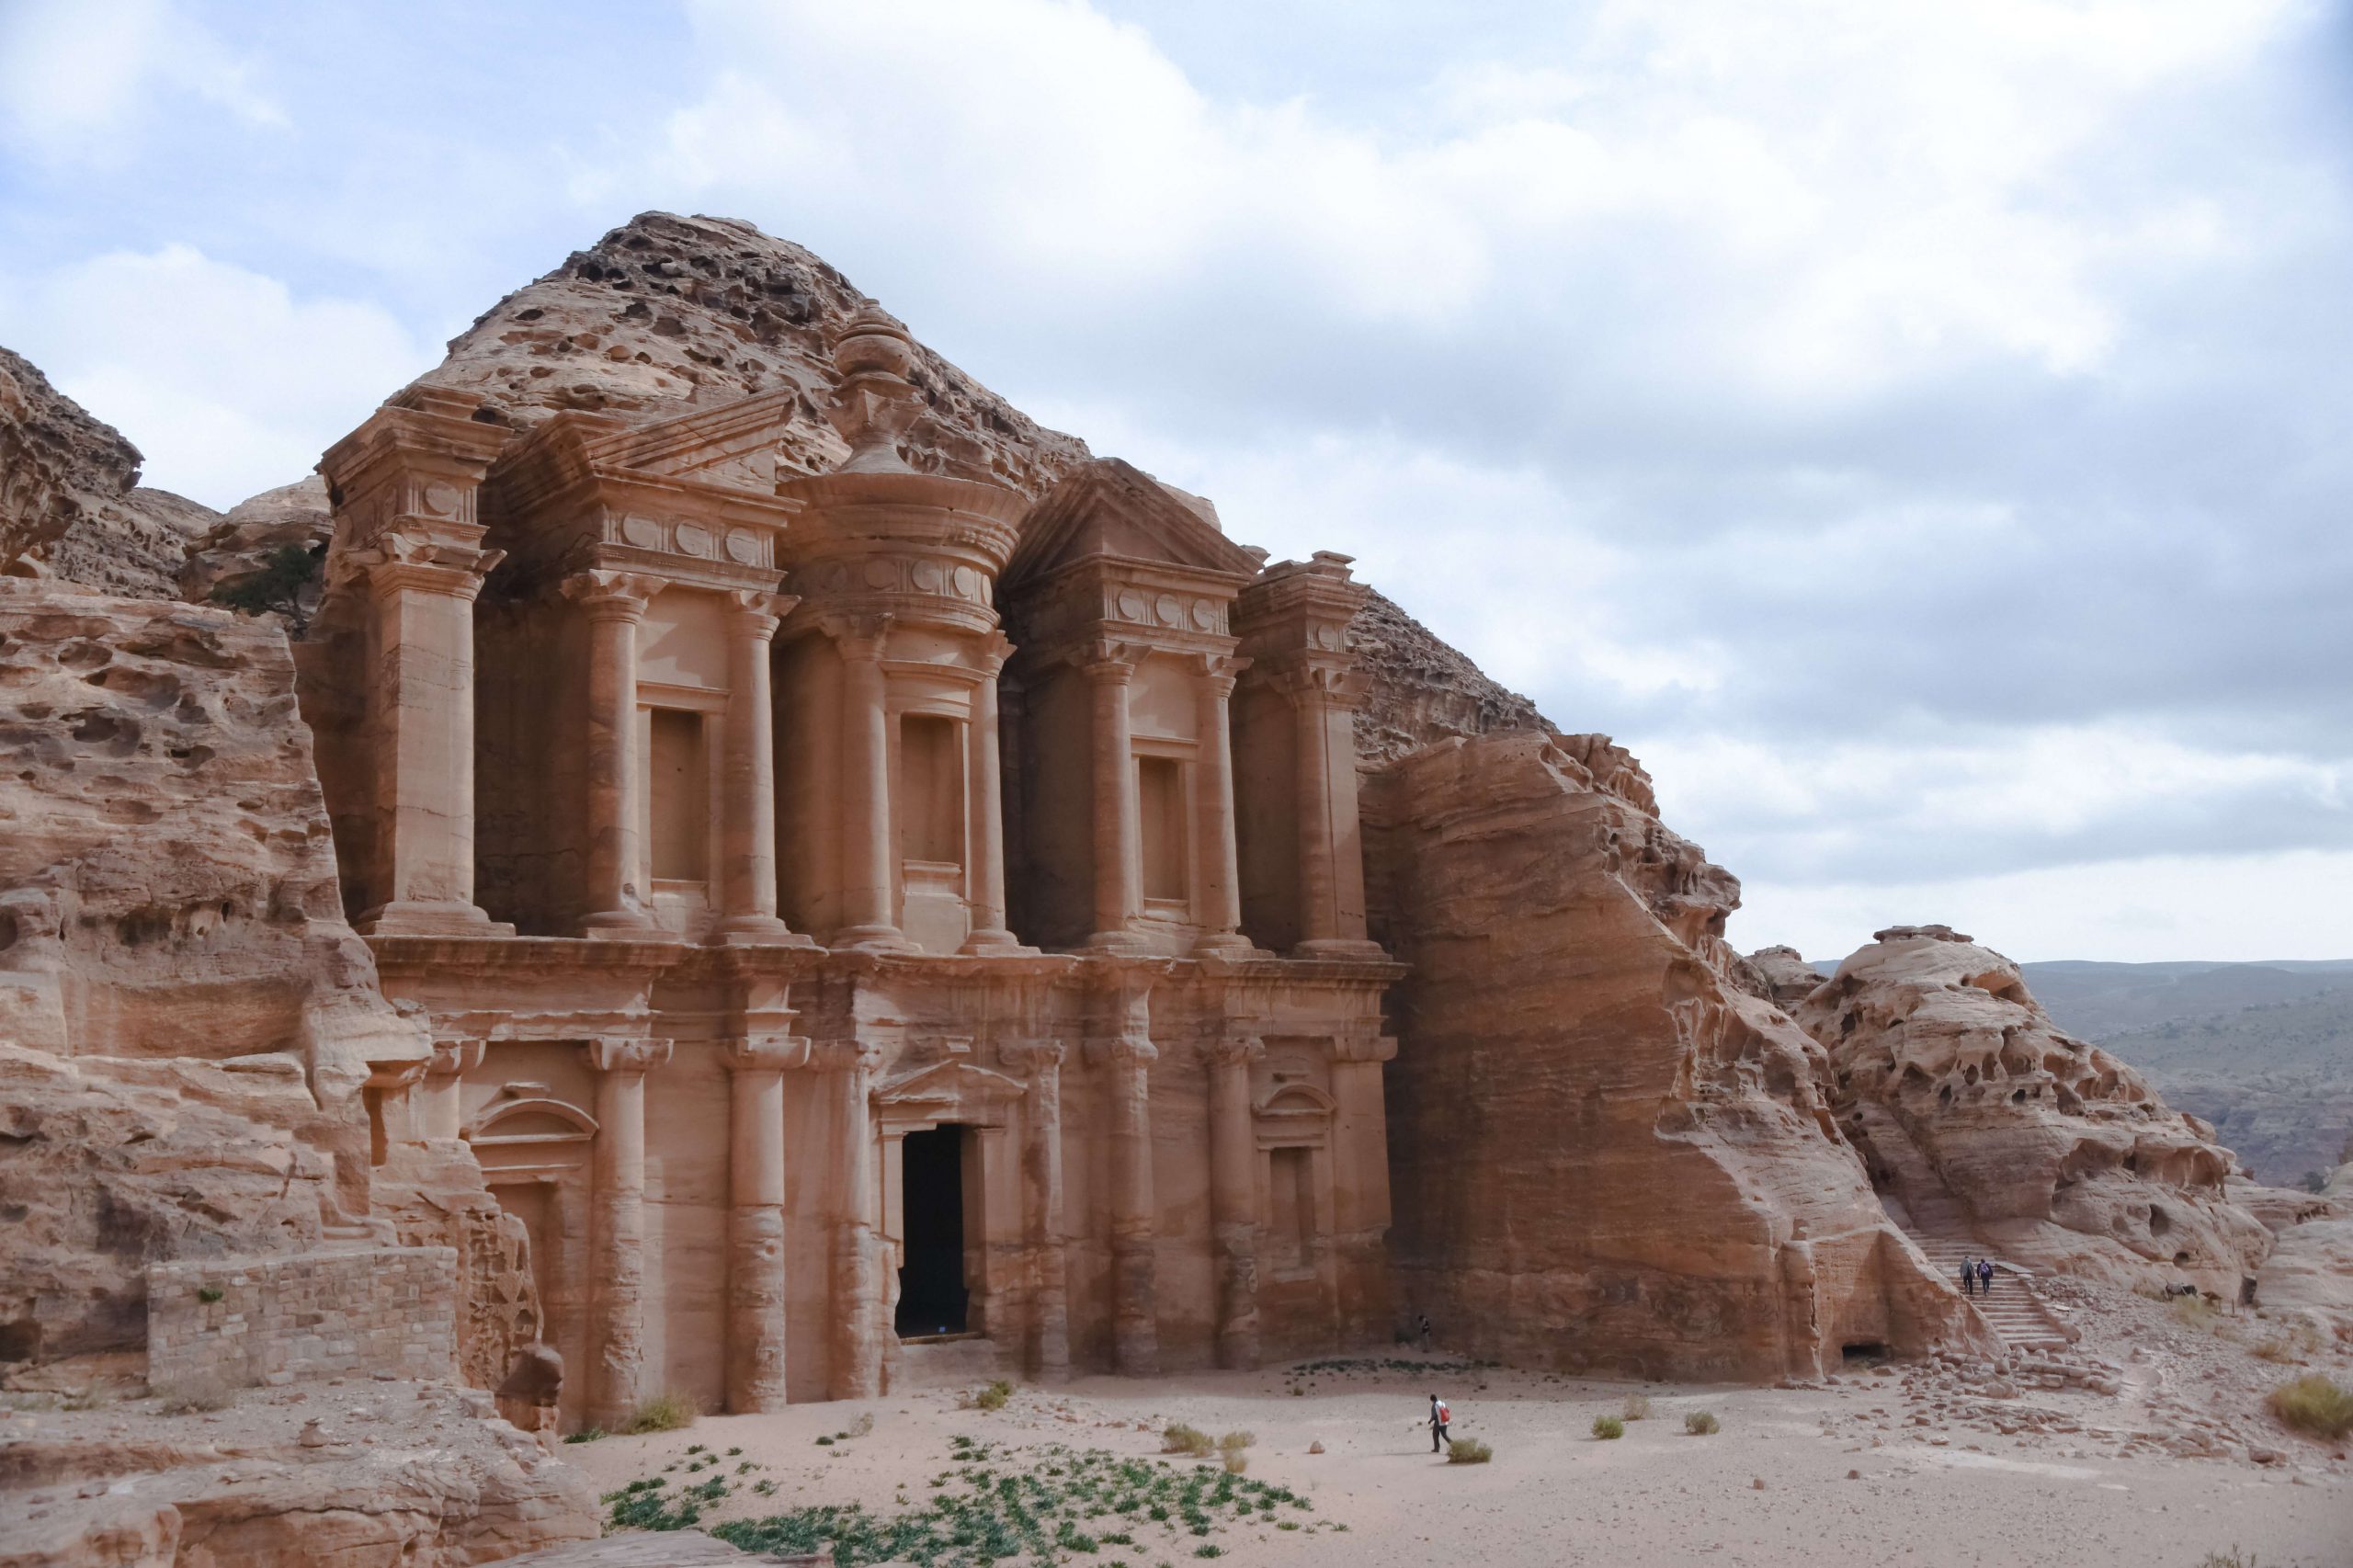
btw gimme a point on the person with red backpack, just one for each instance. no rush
(1440, 1416)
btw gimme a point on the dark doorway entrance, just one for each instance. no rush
(931, 1283)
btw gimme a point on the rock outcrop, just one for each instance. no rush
(386, 1473)
(1422, 690)
(242, 545)
(1606, 1155)
(71, 506)
(667, 314)
(1979, 1116)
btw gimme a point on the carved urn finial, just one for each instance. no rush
(874, 404)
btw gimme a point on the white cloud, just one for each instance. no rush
(227, 381)
(2288, 904)
(81, 81)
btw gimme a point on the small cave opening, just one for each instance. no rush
(19, 1340)
(1863, 1350)
(2160, 1222)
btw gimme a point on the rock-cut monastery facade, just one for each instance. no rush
(860, 916)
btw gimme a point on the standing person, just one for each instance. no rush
(1985, 1276)
(1424, 1328)
(1440, 1416)
(1969, 1276)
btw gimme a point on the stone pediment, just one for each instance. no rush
(1109, 509)
(950, 1084)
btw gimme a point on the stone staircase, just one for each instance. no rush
(2014, 1308)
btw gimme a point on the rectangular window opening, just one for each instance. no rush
(1160, 801)
(680, 798)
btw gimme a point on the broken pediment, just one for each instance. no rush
(1109, 509)
(946, 1090)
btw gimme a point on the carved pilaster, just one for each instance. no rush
(1233, 1193)
(619, 1377)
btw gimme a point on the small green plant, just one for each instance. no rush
(993, 1396)
(1179, 1438)
(663, 1413)
(2230, 1559)
(1701, 1423)
(1467, 1450)
(1608, 1427)
(286, 574)
(2313, 1405)
(208, 1294)
(586, 1435)
(1638, 1408)
(825, 1442)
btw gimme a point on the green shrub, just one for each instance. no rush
(825, 1442)
(586, 1435)
(1467, 1450)
(663, 1413)
(2313, 1405)
(1700, 1423)
(1179, 1438)
(1606, 1426)
(208, 1294)
(1638, 1408)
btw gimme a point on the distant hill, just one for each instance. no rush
(2263, 1051)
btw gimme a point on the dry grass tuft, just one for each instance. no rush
(668, 1412)
(1700, 1423)
(1638, 1408)
(1179, 1438)
(2313, 1405)
(1608, 1427)
(1467, 1450)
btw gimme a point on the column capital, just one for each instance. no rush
(454, 1058)
(1123, 1050)
(757, 615)
(622, 1054)
(847, 1055)
(765, 1052)
(415, 563)
(1107, 661)
(1219, 671)
(860, 638)
(1233, 1049)
(1366, 1045)
(1321, 683)
(1031, 1055)
(991, 652)
(404, 1073)
(611, 596)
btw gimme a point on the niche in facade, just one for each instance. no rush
(1160, 797)
(679, 798)
(931, 791)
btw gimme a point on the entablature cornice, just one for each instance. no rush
(853, 513)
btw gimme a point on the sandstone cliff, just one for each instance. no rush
(71, 506)
(186, 1023)
(1606, 1156)
(1979, 1115)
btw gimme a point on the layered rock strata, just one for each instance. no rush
(1979, 1116)
(1607, 1157)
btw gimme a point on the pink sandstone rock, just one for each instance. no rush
(1608, 1157)
(1978, 1113)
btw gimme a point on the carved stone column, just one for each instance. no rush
(1220, 871)
(755, 1275)
(1234, 1197)
(747, 863)
(1127, 1057)
(857, 1371)
(1360, 1181)
(1118, 854)
(423, 723)
(1041, 1169)
(440, 1103)
(615, 603)
(618, 1379)
(870, 915)
(1331, 847)
(984, 796)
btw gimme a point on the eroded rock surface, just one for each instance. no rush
(71, 506)
(369, 1472)
(1423, 691)
(1978, 1113)
(1607, 1155)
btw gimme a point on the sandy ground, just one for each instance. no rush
(2078, 1483)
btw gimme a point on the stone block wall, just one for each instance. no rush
(278, 1320)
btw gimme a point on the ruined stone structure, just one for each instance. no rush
(858, 910)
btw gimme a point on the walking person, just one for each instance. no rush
(1985, 1276)
(1969, 1276)
(1440, 1416)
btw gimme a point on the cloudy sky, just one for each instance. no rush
(1922, 432)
